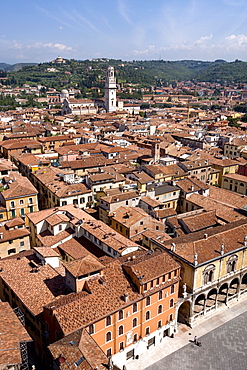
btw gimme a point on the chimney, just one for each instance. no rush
(205, 236)
(126, 297)
(192, 188)
(1, 235)
(173, 247)
(245, 240)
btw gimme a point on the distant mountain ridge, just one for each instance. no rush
(14, 67)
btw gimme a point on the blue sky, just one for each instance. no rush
(39, 31)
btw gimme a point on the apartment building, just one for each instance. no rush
(59, 188)
(127, 306)
(14, 237)
(131, 221)
(19, 197)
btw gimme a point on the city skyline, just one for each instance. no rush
(35, 31)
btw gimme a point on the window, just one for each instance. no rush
(30, 200)
(172, 289)
(12, 214)
(22, 244)
(30, 209)
(231, 264)
(171, 317)
(82, 200)
(135, 338)
(120, 315)
(108, 352)
(64, 203)
(91, 329)
(145, 287)
(130, 354)
(208, 274)
(121, 346)
(147, 315)
(120, 330)
(151, 284)
(21, 201)
(171, 302)
(157, 281)
(108, 320)
(160, 309)
(164, 278)
(134, 307)
(60, 227)
(108, 336)
(11, 251)
(22, 211)
(160, 295)
(1, 215)
(169, 276)
(159, 325)
(12, 204)
(147, 331)
(134, 322)
(148, 301)
(75, 201)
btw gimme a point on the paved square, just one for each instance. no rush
(224, 348)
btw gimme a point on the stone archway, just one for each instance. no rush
(243, 285)
(211, 298)
(199, 304)
(184, 313)
(233, 287)
(222, 295)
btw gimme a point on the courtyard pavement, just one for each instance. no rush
(224, 344)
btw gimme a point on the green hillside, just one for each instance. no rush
(86, 74)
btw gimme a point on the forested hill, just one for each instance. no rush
(91, 73)
(14, 67)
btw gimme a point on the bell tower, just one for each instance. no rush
(110, 90)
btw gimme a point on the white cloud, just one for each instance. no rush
(60, 47)
(47, 46)
(150, 49)
(202, 39)
(236, 41)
